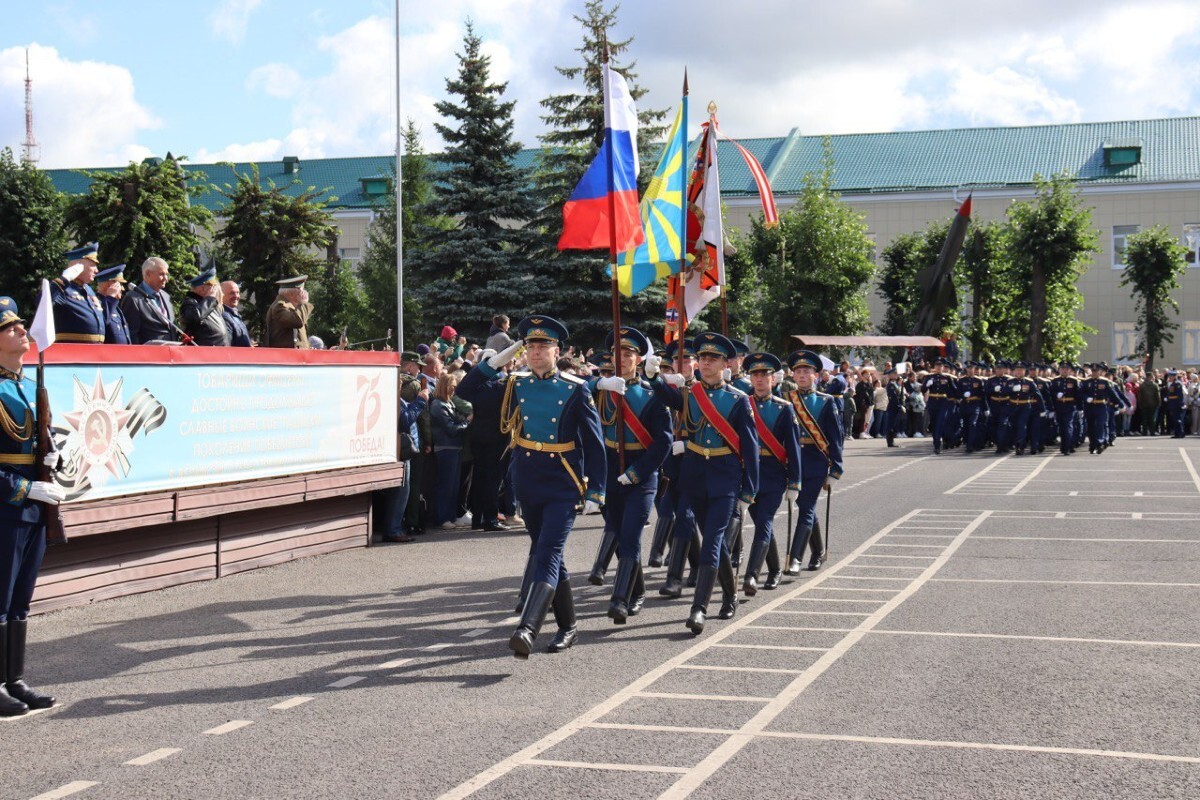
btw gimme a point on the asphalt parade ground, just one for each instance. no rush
(986, 627)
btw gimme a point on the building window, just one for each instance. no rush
(1191, 240)
(349, 253)
(1120, 234)
(1191, 343)
(1125, 343)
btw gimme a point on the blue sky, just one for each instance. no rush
(116, 80)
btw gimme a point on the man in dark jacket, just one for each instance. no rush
(201, 311)
(147, 306)
(239, 334)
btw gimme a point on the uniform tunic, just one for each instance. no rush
(1066, 397)
(942, 392)
(816, 413)
(287, 325)
(22, 530)
(116, 329)
(774, 477)
(972, 399)
(78, 315)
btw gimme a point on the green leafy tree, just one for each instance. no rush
(271, 234)
(343, 308)
(144, 210)
(903, 258)
(32, 231)
(987, 284)
(463, 274)
(1154, 264)
(1050, 243)
(575, 119)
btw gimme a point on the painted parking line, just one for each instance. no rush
(153, 755)
(1024, 637)
(228, 727)
(349, 680)
(1030, 476)
(292, 703)
(66, 790)
(1191, 468)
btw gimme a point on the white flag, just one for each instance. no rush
(42, 329)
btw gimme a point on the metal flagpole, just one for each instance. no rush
(612, 259)
(680, 330)
(399, 201)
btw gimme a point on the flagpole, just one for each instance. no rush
(399, 201)
(612, 259)
(712, 122)
(683, 242)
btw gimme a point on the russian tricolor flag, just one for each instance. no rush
(606, 193)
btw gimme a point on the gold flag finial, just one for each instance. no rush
(712, 108)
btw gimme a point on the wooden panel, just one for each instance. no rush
(285, 555)
(113, 590)
(229, 498)
(118, 514)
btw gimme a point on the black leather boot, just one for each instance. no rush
(564, 617)
(733, 536)
(679, 554)
(618, 607)
(705, 577)
(774, 570)
(604, 556)
(637, 595)
(540, 596)
(817, 558)
(758, 553)
(525, 581)
(9, 705)
(694, 558)
(662, 534)
(728, 578)
(17, 688)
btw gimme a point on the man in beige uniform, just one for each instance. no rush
(287, 318)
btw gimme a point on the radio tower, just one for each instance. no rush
(29, 150)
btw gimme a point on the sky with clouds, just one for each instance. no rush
(119, 80)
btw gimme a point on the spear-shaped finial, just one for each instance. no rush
(685, 86)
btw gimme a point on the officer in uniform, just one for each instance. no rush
(1116, 401)
(630, 411)
(22, 529)
(78, 315)
(1174, 399)
(110, 283)
(820, 454)
(603, 362)
(1065, 394)
(941, 391)
(972, 392)
(895, 405)
(719, 471)
(1023, 398)
(998, 409)
(778, 464)
(738, 377)
(287, 318)
(200, 311)
(559, 460)
(1098, 392)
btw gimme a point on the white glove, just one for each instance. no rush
(45, 492)
(485, 355)
(677, 447)
(675, 379)
(727, 374)
(743, 506)
(72, 272)
(591, 507)
(966, 394)
(51, 460)
(1059, 395)
(613, 384)
(778, 377)
(651, 365)
(504, 356)
(623, 479)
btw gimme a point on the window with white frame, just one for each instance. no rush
(1191, 240)
(1191, 343)
(1125, 343)
(1120, 234)
(349, 253)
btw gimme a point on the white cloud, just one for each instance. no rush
(1005, 97)
(276, 80)
(85, 112)
(230, 19)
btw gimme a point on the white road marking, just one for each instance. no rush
(715, 668)
(633, 726)
(1060, 515)
(1068, 583)
(398, 662)
(1191, 468)
(433, 648)
(65, 790)
(1072, 639)
(784, 647)
(477, 632)
(1083, 539)
(349, 680)
(228, 727)
(541, 762)
(724, 698)
(978, 475)
(292, 703)
(152, 756)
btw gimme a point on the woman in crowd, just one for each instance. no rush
(448, 420)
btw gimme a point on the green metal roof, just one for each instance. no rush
(863, 162)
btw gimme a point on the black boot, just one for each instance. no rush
(733, 536)
(9, 705)
(728, 578)
(17, 688)
(679, 553)
(564, 617)
(705, 577)
(662, 534)
(618, 607)
(540, 596)
(774, 570)
(604, 556)
(525, 581)
(758, 553)
(694, 558)
(818, 550)
(637, 595)
(799, 542)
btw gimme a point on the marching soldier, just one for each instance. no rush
(681, 530)
(941, 393)
(972, 393)
(287, 318)
(998, 407)
(22, 528)
(110, 285)
(1064, 392)
(738, 377)
(1098, 392)
(895, 405)
(78, 315)
(1174, 400)
(559, 460)
(629, 409)
(1024, 399)
(778, 465)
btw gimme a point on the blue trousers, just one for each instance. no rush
(1066, 428)
(549, 524)
(22, 545)
(446, 491)
(806, 503)
(394, 504)
(1176, 417)
(628, 510)
(1019, 422)
(712, 514)
(973, 429)
(1097, 423)
(939, 411)
(762, 514)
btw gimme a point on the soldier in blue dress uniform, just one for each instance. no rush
(1024, 400)
(1067, 399)
(1174, 400)
(820, 454)
(972, 397)
(1098, 392)
(895, 405)
(631, 486)
(22, 529)
(78, 315)
(719, 471)
(941, 392)
(110, 283)
(738, 375)
(778, 464)
(602, 360)
(559, 460)
(998, 409)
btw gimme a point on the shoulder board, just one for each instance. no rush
(823, 394)
(569, 378)
(60, 283)
(780, 400)
(522, 374)
(734, 390)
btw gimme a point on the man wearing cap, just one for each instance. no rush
(78, 315)
(820, 454)
(1174, 397)
(630, 412)
(287, 318)
(559, 460)
(1024, 400)
(1098, 392)
(719, 473)
(147, 306)
(971, 392)
(998, 408)
(941, 391)
(22, 499)
(201, 311)
(110, 285)
(603, 362)
(895, 405)
(778, 465)
(1066, 398)
(738, 378)
(239, 334)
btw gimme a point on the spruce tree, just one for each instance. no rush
(479, 267)
(582, 287)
